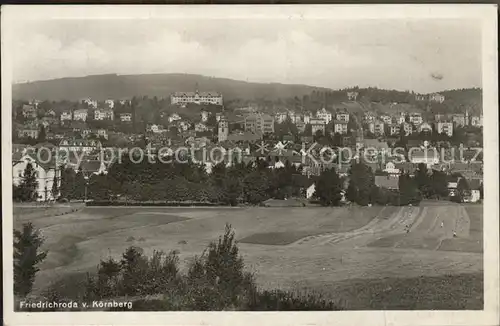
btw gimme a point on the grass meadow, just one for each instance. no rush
(361, 256)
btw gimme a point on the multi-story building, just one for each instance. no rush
(445, 127)
(80, 114)
(408, 128)
(29, 111)
(222, 130)
(402, 118)
(325, 115)
(459, 120)
(415, 118)
(342, 117)
(66, 116)
(174, 117)
(439, 117)
(387, 119)
(259, 122)
(28, 132)
(394, 129)
(436, 97)
(421, 97)
(110, 103)
(102, 133)
(196, 97)
(317, 124)
(45, 172)
(125, 117)
(307, 118)
(425, 127)
(376, 127)
(80, 145)
(104, 114)
(340, 127)
(476, 121)
(200, 127)
(352, 96)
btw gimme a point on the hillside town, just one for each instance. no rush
(80, 132)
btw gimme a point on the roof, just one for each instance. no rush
(44, 161)
(387, 182)
(81, 111)
(201, 94)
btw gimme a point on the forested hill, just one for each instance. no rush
(102, 87)
(240, 93)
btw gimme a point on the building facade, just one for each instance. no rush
(104, 114)
(126, 117)
(325, 115)
(44, 173)
(436, 97)
(80, 114)
(196, 97)
(262, 123)
(445, 127)
(222, 130)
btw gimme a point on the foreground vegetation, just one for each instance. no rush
(216, 280)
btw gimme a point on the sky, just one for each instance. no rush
(420, 55)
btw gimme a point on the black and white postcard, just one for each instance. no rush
(242, 165)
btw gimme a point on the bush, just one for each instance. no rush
(216, 280)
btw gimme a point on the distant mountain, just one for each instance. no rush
(113, 86)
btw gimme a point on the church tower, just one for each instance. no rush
(466, 117)
(223, 130)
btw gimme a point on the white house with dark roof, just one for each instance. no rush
(104, 114)
(80, 114)
(45, 170)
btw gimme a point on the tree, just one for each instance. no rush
(67, 183)
(423, 181)
(328, 188)
(42, 135)
(133, 264)
(79, 185)
(255, 187)
(27, 189)
(363, 180)
(352, 193)
(55, 187)
(26, 258)
(408, 190)
(439, 184)
(231, 190)
(463, 186)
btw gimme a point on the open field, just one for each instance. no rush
(290, 248)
